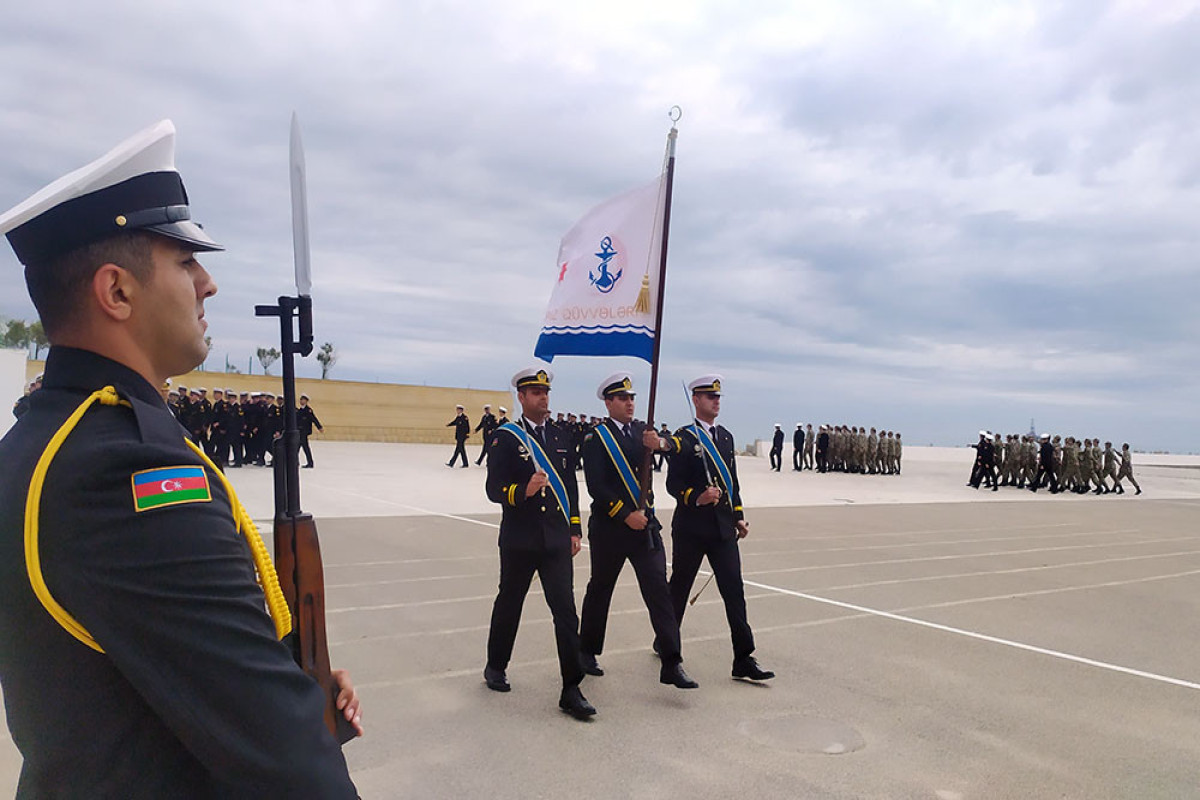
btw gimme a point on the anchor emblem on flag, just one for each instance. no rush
(605, 281)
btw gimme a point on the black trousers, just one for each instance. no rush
(482, 452)
(1042, 473)
(555, 572)
(797, 458)
(726, 562)
(459, 449)
(609, 550)
(776, 458)
(307, 450)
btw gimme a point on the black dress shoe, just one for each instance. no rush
(749, 669)
(574, 703)
(589, 664)
(674, 675)
(496, 680)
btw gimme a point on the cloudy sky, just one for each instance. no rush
(924, 216)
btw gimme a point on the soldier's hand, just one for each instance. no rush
(636, 520)
(709, 496)
(347, 699)
(743, 529)
(538, 482)
(576, 545)
(650, 440)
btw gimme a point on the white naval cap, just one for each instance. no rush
(134, 186)
(777, 425)
(799, 424)
(461, 407)
(615, 384)
(503, 410)
(984, 433)
(706, 383)
(533, 376)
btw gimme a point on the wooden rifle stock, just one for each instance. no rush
(302, 579)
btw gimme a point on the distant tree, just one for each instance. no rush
(37, 337)
(327, 356)
(267, 356)
(16, 334)
(207, 352)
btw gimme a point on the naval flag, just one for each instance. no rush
(603, 303)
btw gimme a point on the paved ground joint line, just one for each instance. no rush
(979, 636)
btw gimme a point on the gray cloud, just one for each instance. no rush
(915, 217)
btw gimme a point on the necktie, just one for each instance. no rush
(625, 428)
(540, 432)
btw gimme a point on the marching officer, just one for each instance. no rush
(462, 429)
(709, 521)
(619, 530)
(529, 475)
(777, 448)
(798, 448)
(487, 424)
(139, 659)
(306, 420)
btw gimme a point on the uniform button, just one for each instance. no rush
(543, 508)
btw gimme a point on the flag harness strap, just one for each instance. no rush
(539, 455)
(619, 461)
(267, 579)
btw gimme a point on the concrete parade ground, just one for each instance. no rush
(930, 641)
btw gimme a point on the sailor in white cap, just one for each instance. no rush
(503, 416)
(777, 448)
(462, 429)
(141, 657)
(486, 426)
(798, 447)
(709, 520)
(529, 476)
(622, 528)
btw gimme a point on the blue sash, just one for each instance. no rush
(620, 462)
(539, 456)
(714, 455)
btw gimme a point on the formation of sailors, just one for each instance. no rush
(237, 429)
(840, 448)
(1062, 465)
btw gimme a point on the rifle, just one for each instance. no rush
(297, 549)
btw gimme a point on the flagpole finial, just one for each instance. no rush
(675, 113)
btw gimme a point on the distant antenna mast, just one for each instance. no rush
(1032, 429)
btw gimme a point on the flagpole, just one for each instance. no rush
(648, 457)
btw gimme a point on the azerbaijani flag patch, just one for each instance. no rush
(168, 486)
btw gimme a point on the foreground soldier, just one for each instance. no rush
(135, 654)
(528, 474)
(618, 531)
(708, 520)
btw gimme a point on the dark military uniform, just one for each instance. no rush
(777, 449)
(192, 694)
(487, 424)
(708, 530)
(306, 419)
(612, 543)
(535, 536)
(798, 449)
(462, 429)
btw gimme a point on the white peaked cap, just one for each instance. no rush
(617, 383)
(134, 186)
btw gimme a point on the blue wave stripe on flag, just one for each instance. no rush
(604, 329)
(638, 345)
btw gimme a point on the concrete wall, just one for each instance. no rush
(362, 412)
(12, 384)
